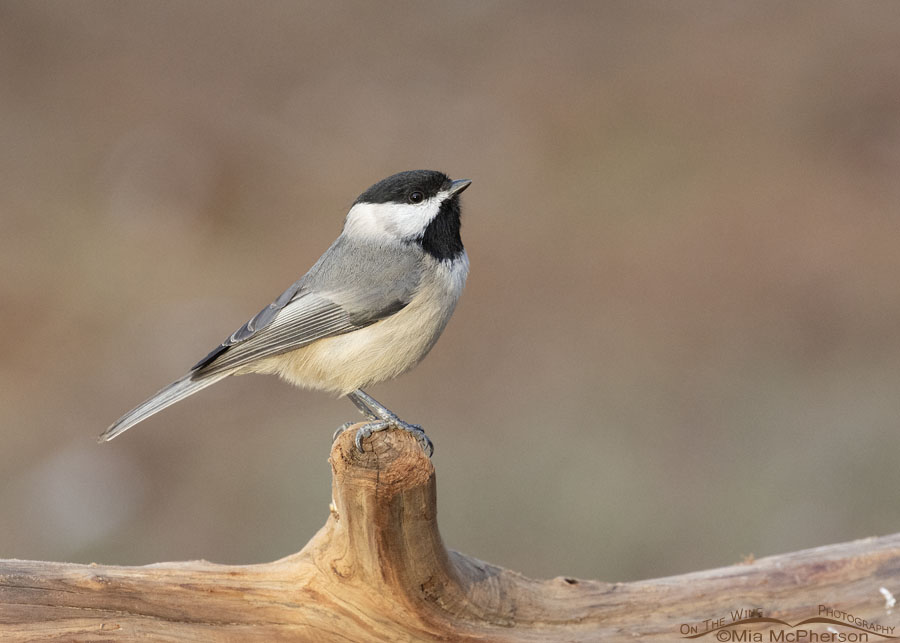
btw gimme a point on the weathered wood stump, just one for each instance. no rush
(378, 571)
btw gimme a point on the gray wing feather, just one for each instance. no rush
(255, 324)
(302, 321)
(264, 317)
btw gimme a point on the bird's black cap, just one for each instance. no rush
(398, 187)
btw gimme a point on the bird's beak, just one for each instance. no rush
(459, 185)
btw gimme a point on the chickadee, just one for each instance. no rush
(370, 308)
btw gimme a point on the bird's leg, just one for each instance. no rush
(365, 410)
(386, 419)
(363, 407)
(380, 410)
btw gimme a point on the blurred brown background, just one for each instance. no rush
(679, 343)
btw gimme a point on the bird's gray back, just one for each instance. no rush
(368, 279)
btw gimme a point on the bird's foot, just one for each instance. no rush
(366, 431)
(381, 418)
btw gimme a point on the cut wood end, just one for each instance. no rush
(393, 457)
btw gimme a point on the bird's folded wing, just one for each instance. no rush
(298, 322)
(351, 286)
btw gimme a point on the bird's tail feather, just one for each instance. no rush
(174, 392)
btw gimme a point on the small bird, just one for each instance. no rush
(369, 309)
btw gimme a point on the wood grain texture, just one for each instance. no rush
(379, 571)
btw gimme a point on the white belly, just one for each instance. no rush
(382, 350)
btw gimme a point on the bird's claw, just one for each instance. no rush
(366, 431)
(341, 429)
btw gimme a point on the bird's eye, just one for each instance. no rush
(416, 197)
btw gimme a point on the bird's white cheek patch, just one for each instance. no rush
(391, 220)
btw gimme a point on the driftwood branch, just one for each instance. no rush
(378, 571)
